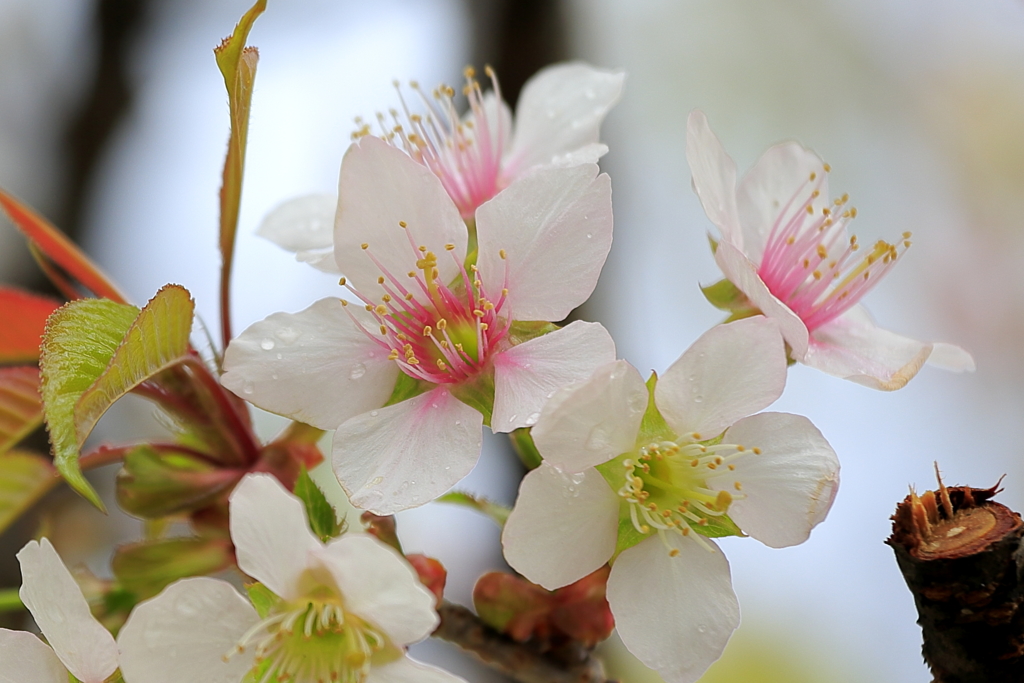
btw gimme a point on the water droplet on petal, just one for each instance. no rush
(702, 628)
(280, 356)
(376, 481)
(248, 388)
(532, 419)
(374, 413)
(589, 93)
(288, 335)
(358, 370)
(273, 376)
(590, 235)
(636, 401)
(599, 439)
(267, 344)
(513, 418)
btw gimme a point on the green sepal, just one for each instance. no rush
(159, 483)
(525, 448)
(653, 426)
(262, 598)
(726, 296)
(478, 394)
(323, 520)
(498, 513)
(628, 534)
(524, 330)
(407, 387)
(148, 567)
(713, 243)
(718, 527)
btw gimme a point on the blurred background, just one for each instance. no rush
(113, 122)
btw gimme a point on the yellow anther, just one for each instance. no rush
(723, 500)
(483, 327)
(442, 324)
(828, 169)
(380, 280)
(674, 552)
(826, 211)
(364, 245)
(696, 436)
(411, 273)
(408, 296)
(501, 253)
(644, 528)
(853, 212)
(380, 309)
(814, 176)
(478, 313)
(732, 467)
(369, 307)
(702, 522)
(907, 235)
(342, 282)
(712, 466)
(427, 330)
(449, 247)
(422, 248)
(393, 355)
(822, 251)
(810, 209)
(685, 531)
(441, 366)
(741, 448)
(739, 486)
(790, 240)
(807, 263)
(694, 462)
(816, 193)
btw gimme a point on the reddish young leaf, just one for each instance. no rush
(24, 319)
(60, 249)
(21, 408)
(432, 574)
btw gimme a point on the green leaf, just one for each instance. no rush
(21, 407)
(322, 518)
(156, 340)
(237, 63)
(24, 478)
(81, 338)
(499, 513)
(262, 598)
(147, 568)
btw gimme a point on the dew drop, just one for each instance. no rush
(590, 235)
(267, 344)
(288, 335)
(513, 418)
(599, 439)
(376, 481)
(374, 413)
(698, 398)
(280, 356)
(457, 423)
(357, 371)
(273, 376)
(702, 628)
(248, 388)
(532, 419)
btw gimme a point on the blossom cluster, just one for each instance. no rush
(461, 243)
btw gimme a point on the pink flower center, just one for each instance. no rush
(464, 154)
(437, 332)
(809, 263)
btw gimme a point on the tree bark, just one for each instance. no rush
(961, 556)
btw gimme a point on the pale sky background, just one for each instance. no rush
(917, 105)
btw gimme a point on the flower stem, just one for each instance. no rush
(519, 661)
(10, 600)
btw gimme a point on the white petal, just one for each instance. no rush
(315, 366)
(554, 226)
(406, 670)
(560, 110)
(527, 375)
(951, 357)
(714, 177)
(62, 614)
(26, 659)
(271, 535)
(304, 225)
(589, 423)
(184, 633)
(378, 585)
(674, 613)
(854, 348)
(775, 189)
(588, 154)
(322, 259)
(789, 487)
(381, 186)
(408, 453)
(563, 527)
(730, 372)
(743, 273)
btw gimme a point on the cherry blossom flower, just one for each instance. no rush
(643, 475)
(344, 611)
(557, 122)
(785, 246)
(80, 644)
(433, 347)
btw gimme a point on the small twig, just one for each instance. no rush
(519, 661)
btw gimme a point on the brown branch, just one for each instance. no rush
(519, 661)
(960, 554)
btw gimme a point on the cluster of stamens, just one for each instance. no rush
(666, 486)
(311, 642)
(810, 264)
(464, 153)
(440, 333)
